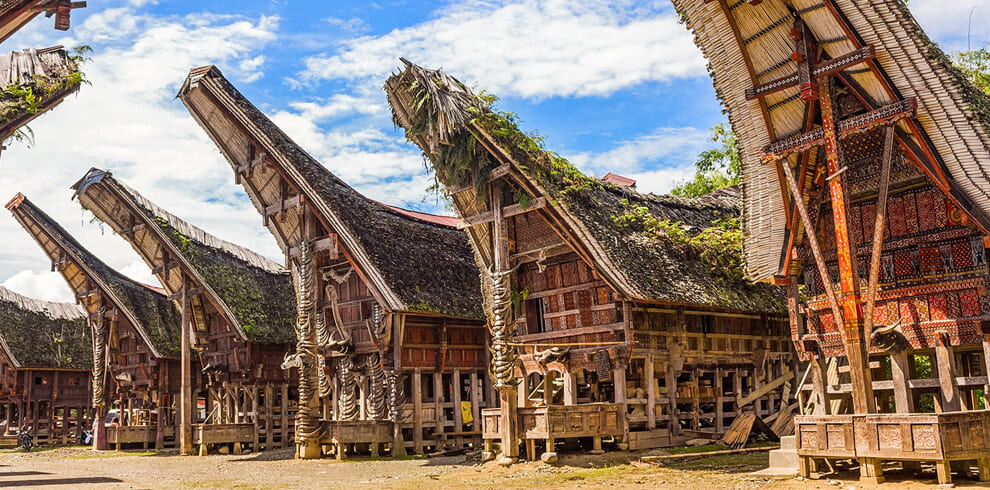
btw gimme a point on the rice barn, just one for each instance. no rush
(136, 339)
(392, 345)
(240, 306)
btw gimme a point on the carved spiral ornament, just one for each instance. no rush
(100, 358)
(308, 426)
(347, 397)
(502, 328)
(378, 399)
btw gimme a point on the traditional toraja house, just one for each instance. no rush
(47, 357)
(653, 334)
(34, 81)
(389, 299)
(15, 14)
(241, 307)
(853, 125)
(135, 333)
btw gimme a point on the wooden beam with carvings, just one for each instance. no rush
(507, 211)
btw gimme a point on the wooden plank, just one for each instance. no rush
(756, 394)
(507, 211)
(649, 377)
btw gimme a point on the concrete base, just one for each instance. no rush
(783, 461)
(308, 451)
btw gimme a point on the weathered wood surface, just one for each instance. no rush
(558, 422)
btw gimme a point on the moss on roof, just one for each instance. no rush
(430, 267)
(41, 334)
(441, 112)
(155, 314)
(33, 81)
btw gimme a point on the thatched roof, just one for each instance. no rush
(146, 308)
(42, 334)
(466, 141)
(749, 44)
(15, 14)
(253, 293)
(34, 81)
(412, 261)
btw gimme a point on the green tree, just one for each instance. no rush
(975, 65)
(715, 168)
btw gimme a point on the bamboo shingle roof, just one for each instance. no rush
(414, 262)
(749, 44)
(149, 312)
(254, 293)
(43, 334)
(467, 142)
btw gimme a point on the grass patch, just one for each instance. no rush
(39, 449)
(728, 463)
(697, 449)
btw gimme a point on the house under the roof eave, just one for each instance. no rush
(590, 301)
(133, 324)
(389, 287)
(45, 362)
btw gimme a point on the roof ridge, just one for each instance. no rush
(54, 310)
(198, 234)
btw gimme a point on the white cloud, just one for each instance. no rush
(949, 21)
(252, 68)
(658, 161)
(129, 121)
(532, 48)
(46, 285)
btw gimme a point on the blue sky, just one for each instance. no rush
(615, 86)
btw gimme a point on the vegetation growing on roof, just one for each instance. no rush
(719, 245)
(36, 339)
(262, 302)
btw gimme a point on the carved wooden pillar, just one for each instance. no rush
(903, 401)
(948, 390)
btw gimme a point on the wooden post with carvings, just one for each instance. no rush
(185, 396)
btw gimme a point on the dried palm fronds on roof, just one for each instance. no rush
(640, 265)
(43, 334)
(255, 291)
(953, 115)
(34, 81)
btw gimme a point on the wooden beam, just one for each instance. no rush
(507, 211)
(871, 292)
(946, 364)
(324, 244)
(816, 250)
(283, 205)
(827, 67)
(886, 115)
(742, 401)
(851, 321)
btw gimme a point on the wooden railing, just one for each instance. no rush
(560, 421)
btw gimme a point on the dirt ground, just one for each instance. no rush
(82, 468)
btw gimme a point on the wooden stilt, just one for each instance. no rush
(186, 400)
(649, 377)
(903, 401)
(948, 390)
(417, 396)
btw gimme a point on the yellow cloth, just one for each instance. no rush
(466, 416)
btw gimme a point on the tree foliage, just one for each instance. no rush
(715, 168)
(975, 65)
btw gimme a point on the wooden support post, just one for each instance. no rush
(649, 377)
(984, 468)
(986, 369)
(475, 402)
(439, 418)
(507, 394)
(570, 388)
(903, 401)
(548, 383)
(673, 422)
(522, 391)
(417, 396)
(719, 400)
(256, 447)
(287, 439)
(818, 393)
(696, 400)
(269, 418)
(944, 472)
(458, 417)
(619, 379)
(948, 390)
(185, 397)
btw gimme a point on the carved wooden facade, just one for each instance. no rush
(587, 315)
(45, 361)
(389, 299)
(864, 156)
(135, 331)
(241, 310)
